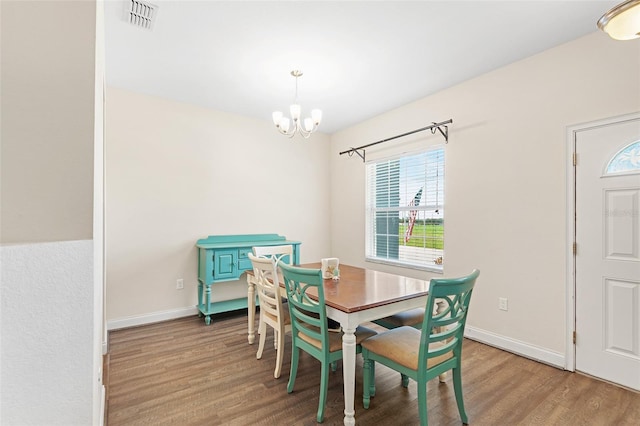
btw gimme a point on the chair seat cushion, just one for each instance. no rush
(411, 317)
(402, 345)
(335, 339)
(286, 319)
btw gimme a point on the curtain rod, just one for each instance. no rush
(435, 126)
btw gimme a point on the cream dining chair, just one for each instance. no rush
(273, 312)
(281, 253)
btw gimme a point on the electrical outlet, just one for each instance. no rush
(179, 284)
(503, 304)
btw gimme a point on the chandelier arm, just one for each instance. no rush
(303, 132)
(290, 135)
(307, 133)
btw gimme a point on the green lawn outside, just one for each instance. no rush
(424, 235)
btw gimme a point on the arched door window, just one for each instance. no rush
(627, 160)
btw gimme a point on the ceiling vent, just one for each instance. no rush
(140, 13)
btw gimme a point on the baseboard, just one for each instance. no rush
(518, 347)
(151, 317)
(103, 406)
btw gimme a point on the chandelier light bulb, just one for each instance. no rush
(295, 112)
(316, 115)
(308, 124)
(277, 116)
(290, 126)
(284, 125)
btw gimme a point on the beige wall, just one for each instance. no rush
(176, 173)
(506, 198)
(46, 166)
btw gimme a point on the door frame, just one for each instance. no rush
(570, 270)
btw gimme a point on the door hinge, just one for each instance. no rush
(574, 337)
(575, 159)
(575, 248)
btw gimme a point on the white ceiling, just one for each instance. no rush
(359, 58)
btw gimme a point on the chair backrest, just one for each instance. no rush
(267, 284)
(445, 328)
(282, 253)
(308, 316)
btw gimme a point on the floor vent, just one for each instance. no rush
(141, 14)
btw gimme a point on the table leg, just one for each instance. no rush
(251, 308)
(349, 374)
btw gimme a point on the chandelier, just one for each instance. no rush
(623, 21)
(304, 127)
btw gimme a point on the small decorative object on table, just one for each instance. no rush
(330, 268)
(336, 274)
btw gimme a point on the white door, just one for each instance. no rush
(608, 252)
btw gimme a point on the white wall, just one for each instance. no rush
(176, 173)
(47, 351)
(506, 201)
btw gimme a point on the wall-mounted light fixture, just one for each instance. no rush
(623, 21)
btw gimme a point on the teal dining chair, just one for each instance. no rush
(424, 354)
(309, 328)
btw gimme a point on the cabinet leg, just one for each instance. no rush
(207, 301)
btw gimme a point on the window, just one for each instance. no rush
(627, 160)
(405, 210)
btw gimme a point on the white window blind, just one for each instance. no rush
(405, 210)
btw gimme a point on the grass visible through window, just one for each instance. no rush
(425, 235)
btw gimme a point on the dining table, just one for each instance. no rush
(360, 295)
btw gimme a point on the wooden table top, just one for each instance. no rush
(359, 289)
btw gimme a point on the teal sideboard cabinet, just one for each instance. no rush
(224, 258)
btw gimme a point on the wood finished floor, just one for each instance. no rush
(182, 372)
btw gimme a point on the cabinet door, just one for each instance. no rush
(225, 264)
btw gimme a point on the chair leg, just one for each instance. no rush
(366, 382)
(372, 384)
(324, 382)
(275, 339)
(262, 330)
(422, 403)
(457, 388)
(295, 353)
(405, 380)
(334, 366)
(279, 354)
